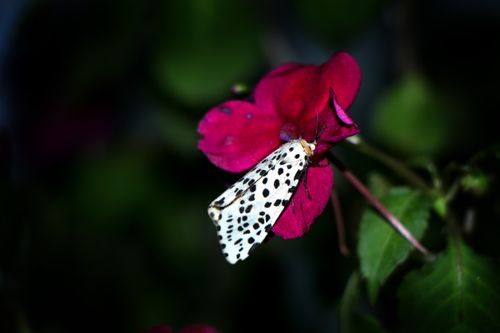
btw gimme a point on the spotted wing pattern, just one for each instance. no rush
(245, 212)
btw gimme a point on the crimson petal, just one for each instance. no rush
(304, 208)
(341, 72)
(297, 91)
(331, 130)
(237, 135)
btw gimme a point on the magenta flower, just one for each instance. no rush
(292, 101)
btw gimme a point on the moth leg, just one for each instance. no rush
(306, 187)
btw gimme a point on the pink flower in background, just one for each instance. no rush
(290, 102)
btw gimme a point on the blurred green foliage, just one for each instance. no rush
(352, 318)
(215, 44)
(103, 222)
(413, 119)
(476, 181)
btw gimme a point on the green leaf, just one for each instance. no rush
(480, 172)
(457, 293)
(352, 320)
(381, 249)
(412, 118)
(441, 206)
(475, 181)
(378, 184)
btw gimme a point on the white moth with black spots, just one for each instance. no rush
(245, 212)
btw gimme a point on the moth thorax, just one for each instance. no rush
(308, 147)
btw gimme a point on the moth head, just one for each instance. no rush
(308, 147)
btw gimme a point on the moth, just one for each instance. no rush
(246, 211)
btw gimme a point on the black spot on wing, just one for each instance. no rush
(254, 246)
(219, 202)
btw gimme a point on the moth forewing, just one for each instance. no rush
(246, 211)
(245, 183)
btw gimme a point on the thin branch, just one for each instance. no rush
(393, 220)
(400, 168)
(339, 221)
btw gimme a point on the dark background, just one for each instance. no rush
(103, 193)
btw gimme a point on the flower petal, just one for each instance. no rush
(236, 135)
(300, 214)
(288, 90)
(301, 91)
(339, 110)
(329, 128)
(342, 73)
(337, 129)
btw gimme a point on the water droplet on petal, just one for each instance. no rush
(249, 116)
(225, 109)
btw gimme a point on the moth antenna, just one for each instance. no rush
(317, 127)
(319, 131)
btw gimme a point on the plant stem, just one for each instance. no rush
(393, 220)
(400, 168)
(339, 221)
